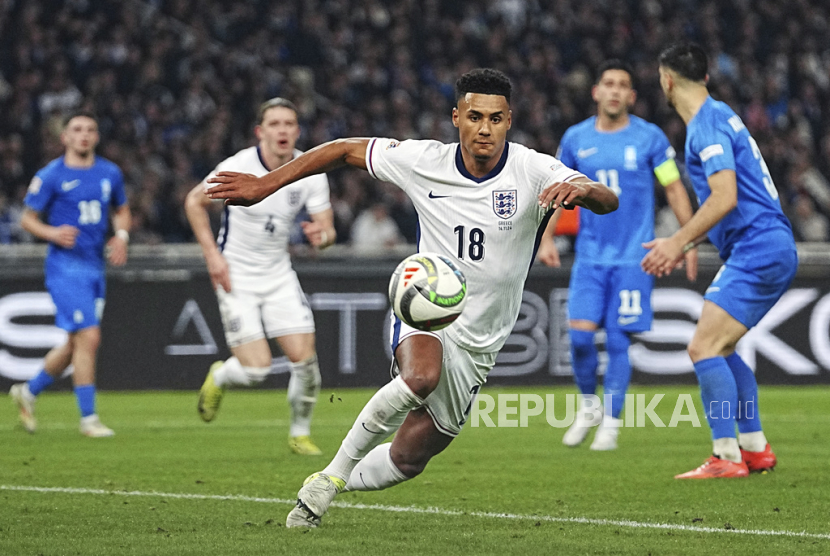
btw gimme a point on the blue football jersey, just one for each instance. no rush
(716, 139)
(624, 160)
(79, 197)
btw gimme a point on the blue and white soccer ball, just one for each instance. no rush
(427, 291)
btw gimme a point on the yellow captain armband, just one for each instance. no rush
(667, 172)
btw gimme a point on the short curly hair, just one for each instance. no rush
(485, 81)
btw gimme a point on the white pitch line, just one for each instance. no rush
(429, 511)
(165, 425)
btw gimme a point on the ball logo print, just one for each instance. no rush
(427, 291)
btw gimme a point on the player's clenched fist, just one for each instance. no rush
(64, 235)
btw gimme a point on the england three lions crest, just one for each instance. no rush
(504, 203)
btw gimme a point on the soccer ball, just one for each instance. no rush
(427, 291)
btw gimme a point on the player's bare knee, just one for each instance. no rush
(701, 349)
(696, 351)
(304, 353)
(87, 340)
(409, 464)
(422, 381)
(65, 349)
(411, 470)
(254, 356)
(298, 347)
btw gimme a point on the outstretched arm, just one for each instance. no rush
(245, 189)
(581, 191)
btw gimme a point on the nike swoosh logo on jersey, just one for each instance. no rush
(434, 196)
(368, 430)
(622, 321)
(70, 185)
(585, 153)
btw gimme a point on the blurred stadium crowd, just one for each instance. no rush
(176, 85)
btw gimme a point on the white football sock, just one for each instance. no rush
(727, 448)
(753, 441)
(382, 415)
(589, 413)
(612, 423)
(230, 373)
(303, 388)
(376, 471)
(255, 375)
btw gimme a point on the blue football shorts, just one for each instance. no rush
(747, 286)
(612, 296)
(78, 298)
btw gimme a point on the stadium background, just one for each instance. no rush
(176, 86)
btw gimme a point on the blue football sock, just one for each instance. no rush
(41, 382)
(749, 419)
(86, 399)
(618, 374)
(719, 394)
(584, 359)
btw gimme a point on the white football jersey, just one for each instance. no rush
(488, 226)
(254, 240)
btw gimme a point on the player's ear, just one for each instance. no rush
(666, 79)
(706, 79)
(509, 118)
(633, 98)
(594, 93)
(258, 132)
(455, 116)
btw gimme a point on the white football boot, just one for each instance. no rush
(586, 418)
(92, 427)
(25, 404)
(313, 500)
(606, 437)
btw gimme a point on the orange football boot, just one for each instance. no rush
(716, 468)
(758, 462)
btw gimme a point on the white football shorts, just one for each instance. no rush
(249, 316)
(463, 373)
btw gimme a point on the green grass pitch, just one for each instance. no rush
(126, 495)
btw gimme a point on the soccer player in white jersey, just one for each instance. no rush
(483, 202)
(250, 269)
